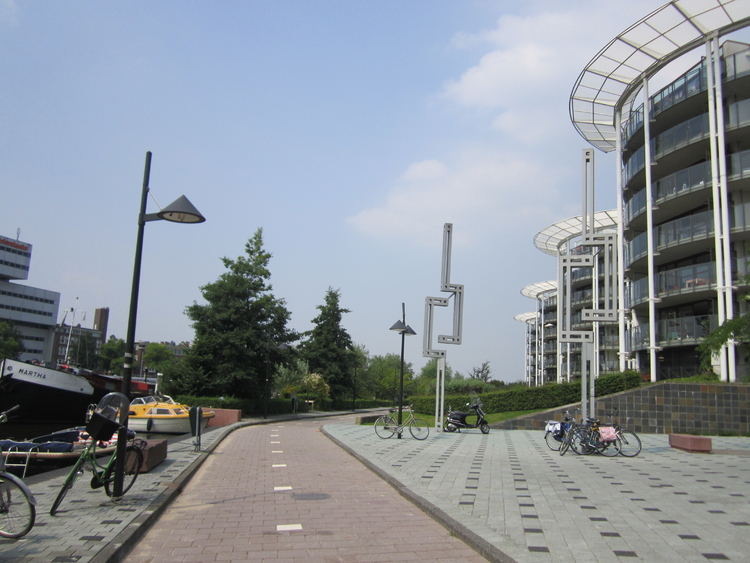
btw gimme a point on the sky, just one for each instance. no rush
(349, 131)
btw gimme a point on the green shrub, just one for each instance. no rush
(522, 398)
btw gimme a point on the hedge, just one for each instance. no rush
(532, 398)
(254, 407)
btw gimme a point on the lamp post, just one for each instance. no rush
(179, 211)
(268, 374)
(403, 329)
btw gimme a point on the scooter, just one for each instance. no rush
(457, 419)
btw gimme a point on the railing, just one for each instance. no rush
(690, 179)
(691, 83)
(685, 133)
(672, 332)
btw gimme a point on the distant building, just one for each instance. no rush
(70, 342)
(32, 311)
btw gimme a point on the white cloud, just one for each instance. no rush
(482, 190)
(8, 11)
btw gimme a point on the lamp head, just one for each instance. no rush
(181, 211)
(399, 326)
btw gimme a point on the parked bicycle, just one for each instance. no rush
(386, 426)
(102, 425)
(554, 432)
(589, 437)
(17, 504)
(630, 443)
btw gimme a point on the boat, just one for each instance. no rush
(58, 396)
(53, 450)
(159, 414)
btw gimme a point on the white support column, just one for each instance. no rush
(652, 324)
(540, 379)
(620, 247)
(725, 208)
(440, 395)
(716, 196)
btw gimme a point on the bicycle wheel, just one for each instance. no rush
(385, 427)
(69, 481)
(419, 429)
(609, 449)
(133, 462)
(566, 441)
(552, 444)
(17, 514)
(630, 443)
(580, 442)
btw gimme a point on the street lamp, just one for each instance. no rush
(268, 374)
(179, 211)
(403, 329)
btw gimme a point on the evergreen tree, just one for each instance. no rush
(329, 348)
(237, 331)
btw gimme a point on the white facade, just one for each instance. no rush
(31, 310)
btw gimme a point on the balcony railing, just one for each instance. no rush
(672, 332)
(690, 84)
(683, 134)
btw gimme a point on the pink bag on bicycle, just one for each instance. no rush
(607, 434)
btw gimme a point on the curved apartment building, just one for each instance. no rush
(683, 182)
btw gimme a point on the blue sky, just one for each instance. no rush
(350, 131)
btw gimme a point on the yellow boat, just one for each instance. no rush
(159, 414)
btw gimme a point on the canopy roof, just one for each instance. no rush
(535, 289)
(526, 317)
(550, 239)
(614, 76)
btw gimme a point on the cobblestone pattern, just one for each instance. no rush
(286, 493)
(534, 505)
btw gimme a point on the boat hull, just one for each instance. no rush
(45, 395)
(163, 425)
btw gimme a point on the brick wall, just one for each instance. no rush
(664, 408)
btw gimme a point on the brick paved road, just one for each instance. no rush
(286, 493)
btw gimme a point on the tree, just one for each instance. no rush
(157, 357)
(237, 330)
(427, 379)
(482, 373)
(83, 351)
(329, 349)
(737, 328)
(384, 373)
(11, 345)
(112, 354)
(288, 378)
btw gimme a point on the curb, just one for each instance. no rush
(473, 540)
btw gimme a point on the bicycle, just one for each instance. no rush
(586, 438)
(630, 443)
(101, 429)
(554, 432)
(385, 426)
(17, 504)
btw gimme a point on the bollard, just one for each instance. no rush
(196, 418)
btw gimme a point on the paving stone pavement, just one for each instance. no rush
(534, 505)
(506, 494)
(287, 493)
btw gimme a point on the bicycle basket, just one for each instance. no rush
(101, 428)
(607, 434)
